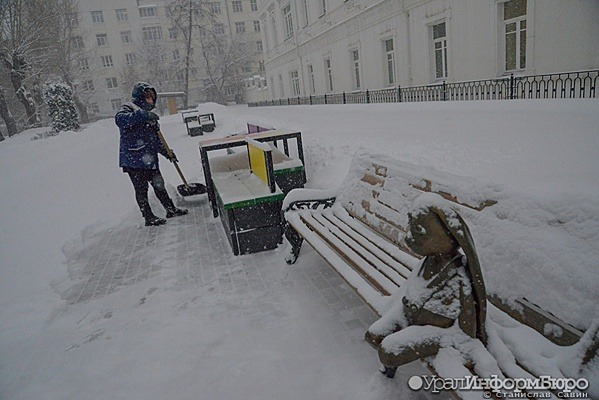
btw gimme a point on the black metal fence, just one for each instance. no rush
(563, 85)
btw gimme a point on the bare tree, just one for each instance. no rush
(187, 16)
(224, 61)
(25, 41)
(69, 55)
(11, 125)
(156, 63)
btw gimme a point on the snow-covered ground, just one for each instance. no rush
(57, 190)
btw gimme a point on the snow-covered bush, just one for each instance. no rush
(61, 107)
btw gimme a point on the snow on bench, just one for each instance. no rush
(360, 229)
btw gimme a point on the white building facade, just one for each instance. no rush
(315, 47)
(112, 30)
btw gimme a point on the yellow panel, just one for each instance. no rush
(258, 162)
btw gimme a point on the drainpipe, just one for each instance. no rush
(410, 80)
(297, 49)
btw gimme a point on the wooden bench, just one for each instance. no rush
(207, 122)
(197, 123)
(360, 228)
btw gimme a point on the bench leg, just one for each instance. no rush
(295, 241)
(389, 372)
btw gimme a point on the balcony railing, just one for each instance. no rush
(563, 85)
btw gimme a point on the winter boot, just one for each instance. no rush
(152, 220)
(175, 212)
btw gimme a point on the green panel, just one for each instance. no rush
(288, 170)
(251, 202)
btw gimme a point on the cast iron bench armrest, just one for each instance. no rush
(302, 199)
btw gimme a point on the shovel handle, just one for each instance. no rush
(181, 175)
(170, 155)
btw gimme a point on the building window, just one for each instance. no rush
(107, 61)
(215, 8)
(440, 50)
(311, 79)
(514, 20)
(355, 56)
(115, 104)
(288, 21)
(259, 46)
(97, 17)
(126, 37)
(281, 87)
(176, 55)
(88, 85)
(256, 26)
(237, 6)
(239, 27)
(83, 65)
(305, 18)
(389, 61)
(295, 83)
(254, 5)
(322, 7)
(147, 12)
(151, 33)
(77, 42)
(328, 72)
(273, 23)
(261, 66)
(272, 87)
(219, 29)
(102, 39)
(111, 83)
(172, 33)
(121, 15)
(130, 58)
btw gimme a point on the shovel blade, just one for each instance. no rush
(191, 190)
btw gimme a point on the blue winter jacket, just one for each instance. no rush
(139, 144)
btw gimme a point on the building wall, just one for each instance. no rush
(559, 37)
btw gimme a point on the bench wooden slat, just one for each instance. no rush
(375, 248)
(369, 294)
(353, 241)
(390, 248)
(373, 276)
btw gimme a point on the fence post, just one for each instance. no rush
(444, 91)
(298, 101)
(511, 86)
(367, 96)
(310, 99)
(344, 97)
(325, 98)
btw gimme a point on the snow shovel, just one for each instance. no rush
(186, 189)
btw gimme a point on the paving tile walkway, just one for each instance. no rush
(191, 256)
(194, 249)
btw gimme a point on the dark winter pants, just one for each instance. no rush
(140, 179)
